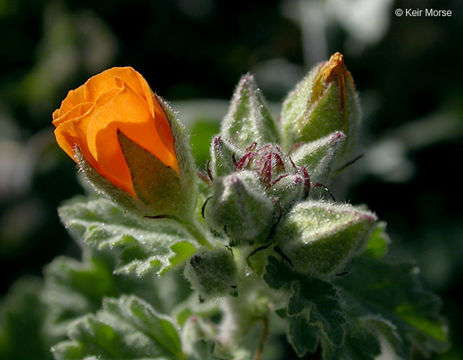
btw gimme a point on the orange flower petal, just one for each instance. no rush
(102, 138)
(91, 115)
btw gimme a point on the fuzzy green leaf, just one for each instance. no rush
(146, 244)
(378, 243)
(21, 322)
(73, 289)
(313, 303)
(125, 328)
(360, 343)
(302, 336)
(393, 295)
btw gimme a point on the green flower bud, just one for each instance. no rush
(322, 103)
(248, 119)
(320, 237)
(212, 273)
(240, 208)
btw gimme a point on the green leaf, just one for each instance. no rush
(393, 295)
(146, 244)
(302, 336)
(360, 343)
(125, 328)
(248, 120)
(312, 302)
(378, 243)
(21, 318)
(74, 288)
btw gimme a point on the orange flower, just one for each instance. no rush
(116, 100)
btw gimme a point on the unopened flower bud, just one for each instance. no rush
(322, 103)
(128, 143)
(240, 208)
(212, 273)
(320, 237)
(248, 119)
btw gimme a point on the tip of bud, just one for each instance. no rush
(334, 70)
(334, 67)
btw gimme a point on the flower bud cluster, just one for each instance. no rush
(131, 146)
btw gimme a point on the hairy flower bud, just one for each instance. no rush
(212, 273)
(240, 208)
(320, 237)
(322, 103)
(128, 143)
(248, 119)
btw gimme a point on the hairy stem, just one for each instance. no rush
(195, 230)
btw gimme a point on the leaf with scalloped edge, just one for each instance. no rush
(125, 328)
(145, 244)
(393, 296)
(74, 288)
(313, 303)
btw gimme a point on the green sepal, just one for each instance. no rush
(248, 119)
(187, 167)
(156, 185)
(240, 208)
(212, 272)
(288, 190)
(320, 237)
(223, 154)
(104, 187)
(318, 156)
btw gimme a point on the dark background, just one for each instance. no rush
(407, 70)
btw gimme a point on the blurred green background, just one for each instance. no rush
(408, 72)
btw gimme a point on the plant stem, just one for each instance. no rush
(263, 338)
(195, 230)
